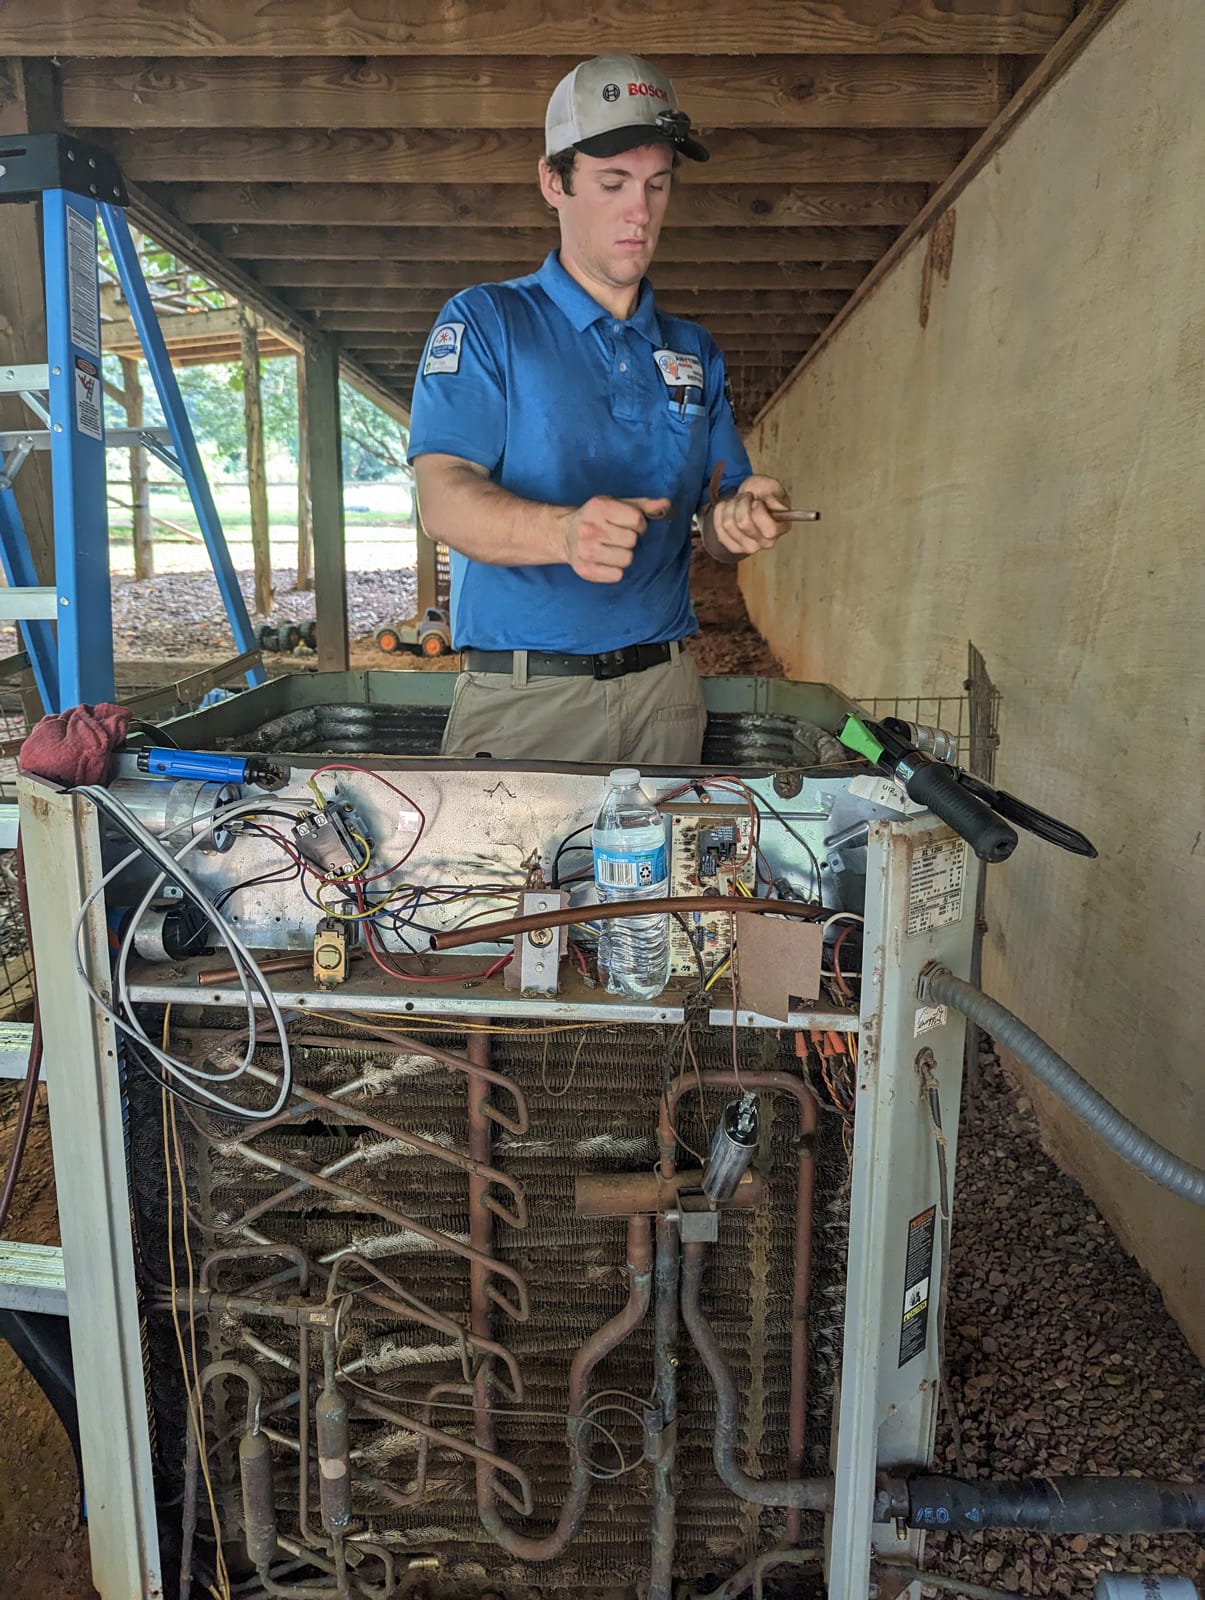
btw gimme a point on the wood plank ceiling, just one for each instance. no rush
(364, 159)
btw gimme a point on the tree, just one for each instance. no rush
(374, 444)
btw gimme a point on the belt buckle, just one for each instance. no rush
(610, 664)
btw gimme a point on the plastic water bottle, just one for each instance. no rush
(631, 863)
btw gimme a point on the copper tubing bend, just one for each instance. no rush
(485, 932)
(611, 1334)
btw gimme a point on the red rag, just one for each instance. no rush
(75, 746)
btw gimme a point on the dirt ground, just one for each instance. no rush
(1061, 1355)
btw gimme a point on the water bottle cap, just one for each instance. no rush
(623, 777)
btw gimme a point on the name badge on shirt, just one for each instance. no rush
(443, 353)
(681, 370)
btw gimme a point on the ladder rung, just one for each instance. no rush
(31, 1278)
(29, 605)
(13, 380)
(115, 438)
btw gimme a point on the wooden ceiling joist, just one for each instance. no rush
(532, 244)
(485, 205)
(345, 166)
(349, 155)
(779, 91)
(529, 28)
(676, 302)
(283, 273)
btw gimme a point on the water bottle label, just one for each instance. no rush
(637, 869)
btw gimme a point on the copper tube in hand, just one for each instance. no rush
(793, 516)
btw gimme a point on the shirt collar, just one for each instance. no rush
(582, 309)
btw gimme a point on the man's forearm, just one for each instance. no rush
(477, 518)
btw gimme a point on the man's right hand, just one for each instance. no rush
(601, 535)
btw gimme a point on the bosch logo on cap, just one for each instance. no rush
(650, 89)
(611, 92)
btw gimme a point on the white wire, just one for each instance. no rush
(245, 965)
(842, 916)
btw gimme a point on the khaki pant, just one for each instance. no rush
(654, 717)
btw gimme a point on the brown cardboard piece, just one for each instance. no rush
(777, 958)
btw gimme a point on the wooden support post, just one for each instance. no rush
(257, 475)
(324, 451)
(140, 497)
(426, 561)
(305, 515)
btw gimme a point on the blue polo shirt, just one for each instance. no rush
(559, 401)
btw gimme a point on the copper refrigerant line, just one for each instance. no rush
(667, 1278)
(284, 1298)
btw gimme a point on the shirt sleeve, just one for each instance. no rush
(459, 403)
(723, 441)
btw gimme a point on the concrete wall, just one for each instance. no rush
(1028, 471)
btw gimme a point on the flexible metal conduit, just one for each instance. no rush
(807, 1494)
(1122, 1136)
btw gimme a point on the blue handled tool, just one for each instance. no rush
(207, 767)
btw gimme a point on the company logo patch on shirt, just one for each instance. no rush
(443, 352)
(680, 369)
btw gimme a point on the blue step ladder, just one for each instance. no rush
(76, 182)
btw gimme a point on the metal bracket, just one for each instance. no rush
(539, 952)
(17, 458)
(35, 375)
(698, 1220)
(31, 163)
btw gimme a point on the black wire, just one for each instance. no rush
(797, 836)
(694, 949)
(566, 844)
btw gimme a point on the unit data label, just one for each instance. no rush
(935, 883)
(918, 1270)
(83, 296)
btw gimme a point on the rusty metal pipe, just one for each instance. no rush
(665, 1393)
(805, 1494)
(624, 1194)
(773, 1083)
(487, 932)
(518, 1308)
(517, 1218)
(403, 1043)
(600, 1344)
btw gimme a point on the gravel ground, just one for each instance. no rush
(179, 615)
(1062, 1357)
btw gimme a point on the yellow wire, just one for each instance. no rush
(191, 1383)
(718, 973)
(408, 1025)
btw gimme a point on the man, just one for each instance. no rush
(564, 433)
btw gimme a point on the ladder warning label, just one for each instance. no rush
(87, 398)
(918, 1270)
(935, 884)
(83, 295)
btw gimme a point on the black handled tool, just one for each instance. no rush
(980, 814)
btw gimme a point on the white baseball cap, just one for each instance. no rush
(615, 103)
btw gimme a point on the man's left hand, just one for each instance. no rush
(744, 523)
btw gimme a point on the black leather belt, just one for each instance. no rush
(541, 664)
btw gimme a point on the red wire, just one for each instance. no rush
(411, 977)
(365, 772)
